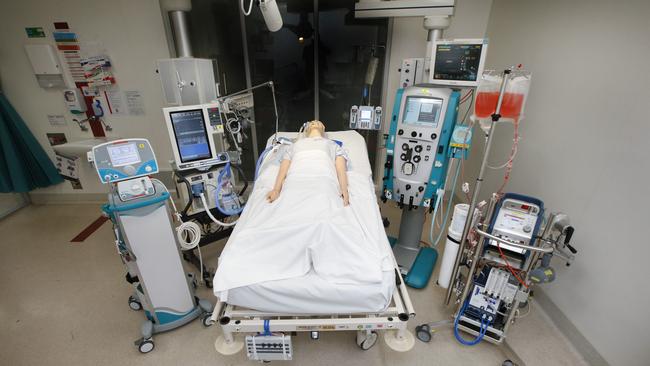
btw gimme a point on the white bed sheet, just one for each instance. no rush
(311, 294)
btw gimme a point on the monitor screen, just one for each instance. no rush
(366, 114)
(191, 135)
(422, 111)
(124, 154)
(459, 62)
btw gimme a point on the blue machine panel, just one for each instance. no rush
(418, 144)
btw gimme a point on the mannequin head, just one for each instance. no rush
(315, 129)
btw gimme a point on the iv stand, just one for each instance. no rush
(477, 190)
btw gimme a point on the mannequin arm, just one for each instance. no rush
(343, 179)
(279, 180)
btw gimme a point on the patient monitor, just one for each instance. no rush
(196, 133)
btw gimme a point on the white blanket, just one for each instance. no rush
(306, 228)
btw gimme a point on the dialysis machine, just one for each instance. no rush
(422, 139)
(145, 238)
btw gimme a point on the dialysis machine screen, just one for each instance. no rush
(460, 62)
(122, 155)
(191, 136)
(422, 111)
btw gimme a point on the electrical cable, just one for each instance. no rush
(188, 233)
(509, 266)
(250, 7)
(453, 189)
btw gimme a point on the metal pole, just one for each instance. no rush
(316, 86)
(475, 196)
(181, 33)
(247, 71)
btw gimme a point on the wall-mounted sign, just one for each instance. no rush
(35, 32)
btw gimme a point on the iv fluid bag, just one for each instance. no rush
(514, 98)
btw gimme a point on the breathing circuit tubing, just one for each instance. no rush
(485, 324)
(437, 204)
(225, 171)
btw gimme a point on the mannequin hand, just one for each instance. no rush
(346, 198)
(272, 195)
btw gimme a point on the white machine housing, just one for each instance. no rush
(187, 80)
(206, 178)
(145, 236)
(193, 130)
(403, 8)
(365, 117)
(515, 222)
(467, 65)
(412, 72)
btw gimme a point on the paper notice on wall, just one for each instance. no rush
(116, 105)
(56, 119)
(66, 166)
(134, 102)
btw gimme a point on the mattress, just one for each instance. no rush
(311, 294)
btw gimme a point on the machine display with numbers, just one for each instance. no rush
(196, 132)
(365, 117)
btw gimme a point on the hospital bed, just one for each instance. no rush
(311, 304)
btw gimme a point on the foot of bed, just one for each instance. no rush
(227, 345)
(400, 340)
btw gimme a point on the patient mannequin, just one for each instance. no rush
(314, 139)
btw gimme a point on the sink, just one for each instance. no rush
(79, 149)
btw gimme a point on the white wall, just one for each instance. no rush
(409, 40)
(133, 34)
(585, 151)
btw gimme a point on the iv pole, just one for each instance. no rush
(475, 196)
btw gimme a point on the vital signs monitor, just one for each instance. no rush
(457, 62)
(190, 131)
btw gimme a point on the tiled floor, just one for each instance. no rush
(65, 303)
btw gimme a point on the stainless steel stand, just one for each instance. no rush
(477, 190)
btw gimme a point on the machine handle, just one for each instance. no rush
(131, 279)
(571, 248)
(568, 233)
(516, 245)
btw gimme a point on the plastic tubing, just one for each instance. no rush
(444, 221)
(222, 173)
(483, 329)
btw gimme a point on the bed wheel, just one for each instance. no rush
(365, 339)
(146, 345)
(205, 320)
(423, 332)
(134, 304)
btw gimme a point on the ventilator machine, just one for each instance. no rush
(141, 210)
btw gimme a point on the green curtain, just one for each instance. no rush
(24, 165)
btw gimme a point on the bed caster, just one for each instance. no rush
(206, 320)
(314, 335)
(386, 222)
(399, 340)
(145, 345)
(423, 332)
(228, 347)
(134, 303)
(365, 339)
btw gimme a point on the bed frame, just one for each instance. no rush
(392, 321)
